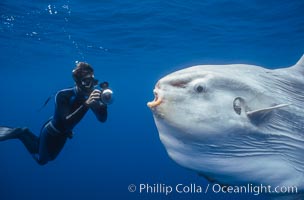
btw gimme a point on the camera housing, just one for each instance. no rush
(107, 94)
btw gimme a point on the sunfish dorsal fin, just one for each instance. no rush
(260, 115)
(299, 66)
(300, 63)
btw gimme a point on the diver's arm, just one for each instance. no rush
(77, 113)
(100, 110)
(63, 111)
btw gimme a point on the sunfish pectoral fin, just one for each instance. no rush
(261, 115)
(268, 109)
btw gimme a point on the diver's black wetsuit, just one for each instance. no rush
(69, 110)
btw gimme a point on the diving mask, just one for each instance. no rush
(88, 82)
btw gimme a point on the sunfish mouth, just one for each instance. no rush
(157, 100)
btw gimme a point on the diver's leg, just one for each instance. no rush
(55, 145)
(50, 145)
(7, 133)
(30, 140)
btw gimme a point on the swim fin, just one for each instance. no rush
(7, 133)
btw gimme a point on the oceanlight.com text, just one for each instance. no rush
(194, 188)
(254, 189)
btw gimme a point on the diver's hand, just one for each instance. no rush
(94, 98)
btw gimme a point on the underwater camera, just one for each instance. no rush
(107, 94)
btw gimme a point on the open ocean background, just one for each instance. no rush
(131, 44)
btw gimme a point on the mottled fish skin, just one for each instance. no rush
(235, 124)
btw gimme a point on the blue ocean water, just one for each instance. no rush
(131, 44)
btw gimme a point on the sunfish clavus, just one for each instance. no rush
(234, 124)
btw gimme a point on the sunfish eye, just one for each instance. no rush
(199, 88)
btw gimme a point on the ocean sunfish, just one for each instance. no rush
(234, 124)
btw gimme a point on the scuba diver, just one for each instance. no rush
(70, 107)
